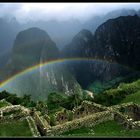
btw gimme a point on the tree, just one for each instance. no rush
(74, 100)
(4, 94)
(42, 107)
(13, 99)
(26, 99)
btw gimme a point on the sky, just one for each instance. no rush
(60, 11)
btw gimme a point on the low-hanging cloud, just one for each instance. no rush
(60, 11)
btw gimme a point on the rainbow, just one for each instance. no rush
(35, 67)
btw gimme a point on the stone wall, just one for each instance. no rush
(117, 107)
(13, 112)
(124, 120)
(90, 114)
(61, 116)
(136, 125)
(41, 122)
(87, 108)
(32, 126)
(14, 108)
(97, 114)
(131, 109)
(88, 121)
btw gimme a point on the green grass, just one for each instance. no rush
(106, 129)
(117, 95)
(12, 112)
(135, 97)
(3, 104)
(15, 128)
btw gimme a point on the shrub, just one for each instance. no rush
(52, 120)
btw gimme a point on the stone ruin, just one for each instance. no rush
(61, 116)
(87, 108)
(127, 114)
(88, 113)
(13, 111)
(42, 122)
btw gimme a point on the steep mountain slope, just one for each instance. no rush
(41, 82)
(32, 47)
(67, 29)
(82, 41)
(117, 41)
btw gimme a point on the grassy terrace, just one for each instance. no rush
(135, 97)
(15, 128)
(106, 129)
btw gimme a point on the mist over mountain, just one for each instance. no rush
(60, 31)
(116, 40)
(79, 46)
(95, 21)
(9, 30)
(31, 47)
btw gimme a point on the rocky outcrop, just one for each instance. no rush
(118, 40)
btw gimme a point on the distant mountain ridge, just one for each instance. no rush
(116, 40)
(82, 41)
(95, 21)
(32, 46)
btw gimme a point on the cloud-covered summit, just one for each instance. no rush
(59, 11)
